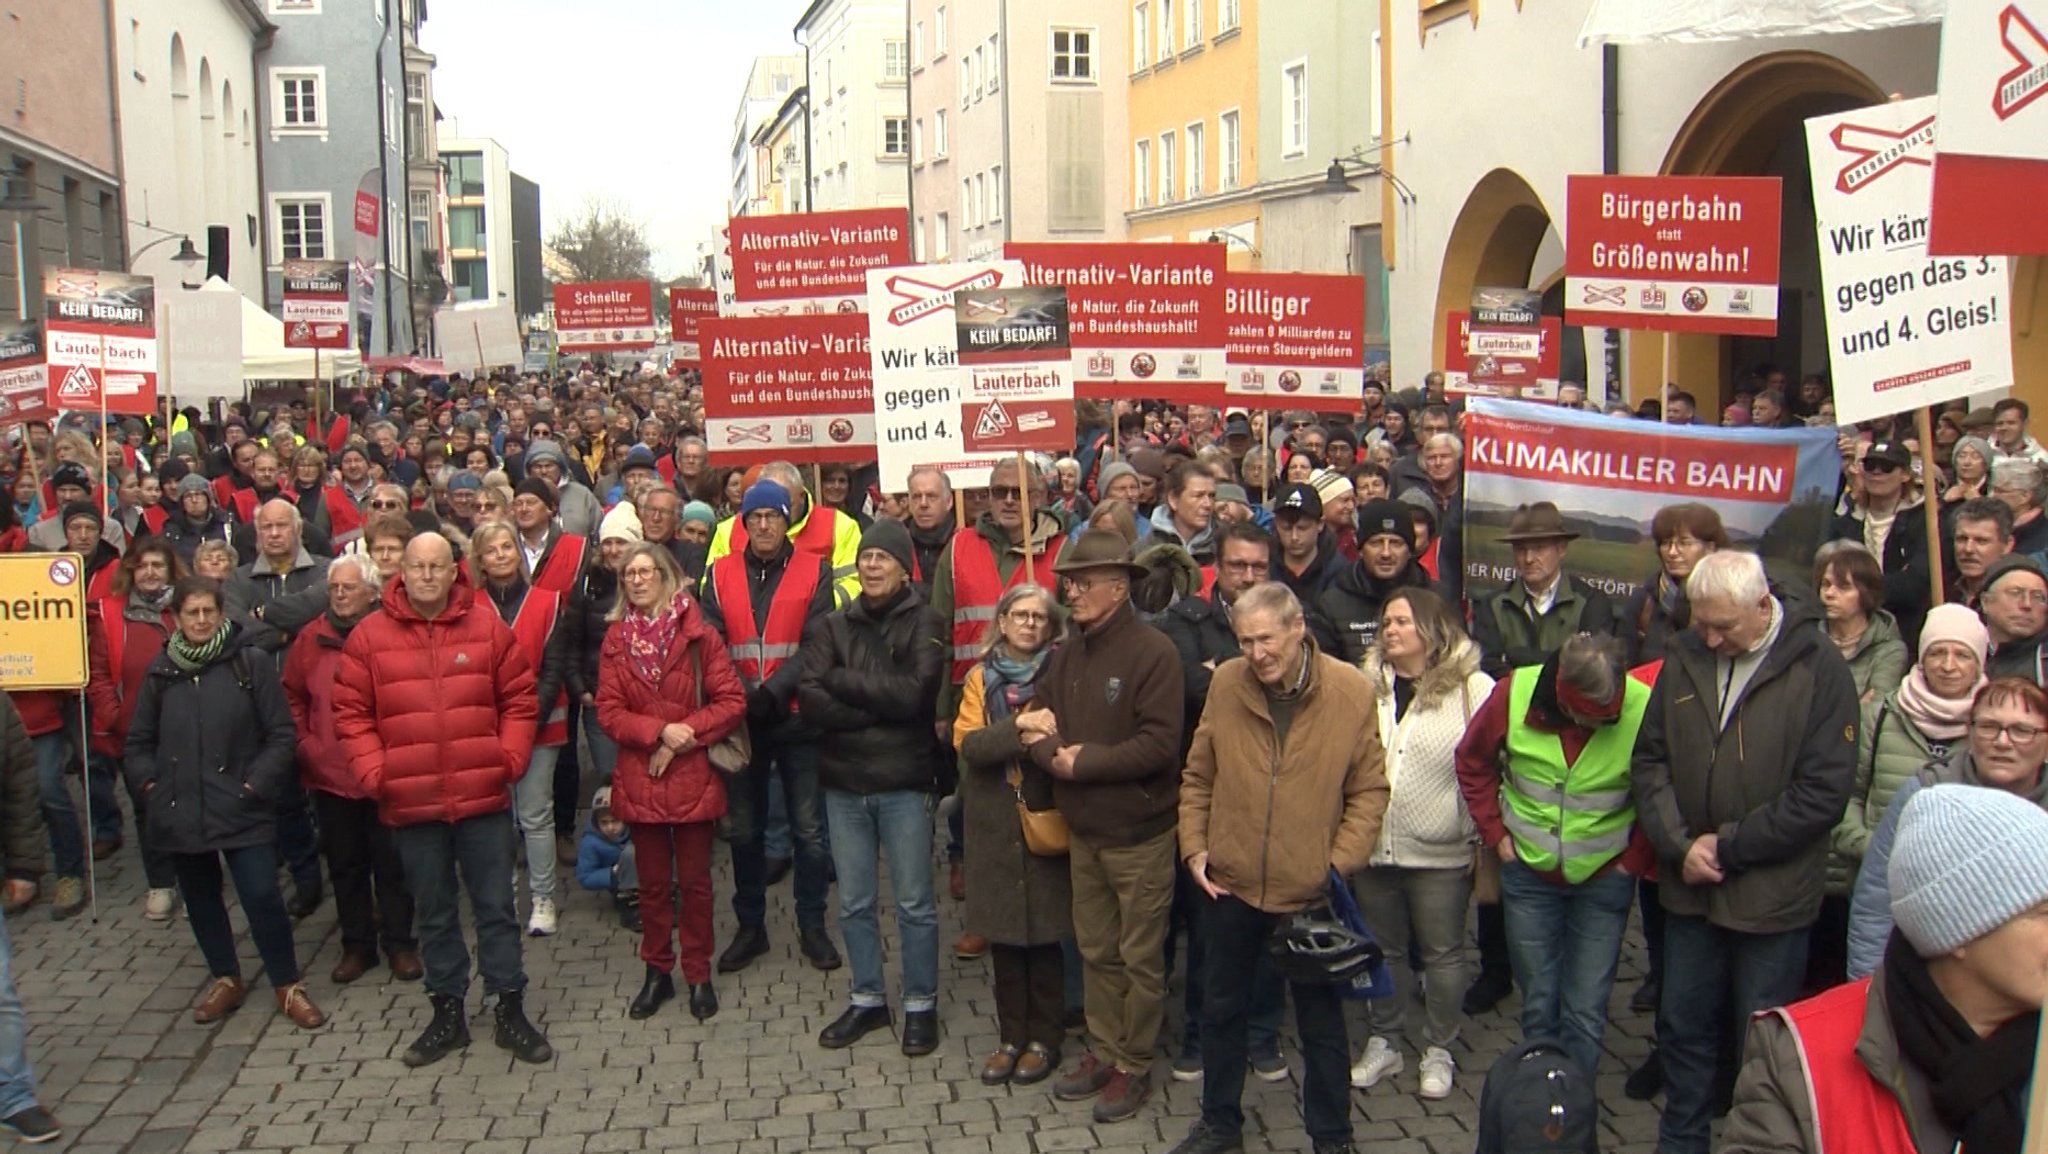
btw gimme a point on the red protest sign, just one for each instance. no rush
(24, 385)
(686, 308)
(1509, 375)
(315, 304)
(796, 388)
(1148, 320)
(604, 316)
(1991, 156)
(1019, 369)
(101, 336)
(1636, 457)
(820, 258)
(1295, 340)
(1695, 254)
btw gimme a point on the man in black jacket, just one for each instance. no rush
(1742, 768)
(1306, 558)
(1346, 616)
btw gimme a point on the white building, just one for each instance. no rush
(769, 82)
(480, 246)
(858, 71)
(188, 107)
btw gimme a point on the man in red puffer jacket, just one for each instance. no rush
(435, 708)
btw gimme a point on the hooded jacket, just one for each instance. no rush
(289, 600)
(1202, 546)
(310, 665)
(699, 688)
(1426, 824)
(111, 693)
(1320, 574)
(1346, 615)
(869, 682)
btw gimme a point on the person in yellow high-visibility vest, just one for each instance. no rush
(819, 530)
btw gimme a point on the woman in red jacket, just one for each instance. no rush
(125, 631)
(667, 692)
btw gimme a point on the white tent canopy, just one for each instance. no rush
(1695, 21)
(264, 357)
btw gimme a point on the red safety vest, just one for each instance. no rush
(756, 652)
(114, 627)
(978, 585)
(537, 617)
(1852, 1112)
(1208, 581)
(559, 568)
(153, 519)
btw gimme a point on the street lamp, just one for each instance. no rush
(1228, 238)
(185, 258)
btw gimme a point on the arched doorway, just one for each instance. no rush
(1494, 241)
(1753, 124)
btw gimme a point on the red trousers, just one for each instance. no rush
(675, 859)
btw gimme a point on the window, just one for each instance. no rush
(995, 194)
(1141, 22)
(942, 237)
(298, 98)
(1227, 145)
(969, 218)
(416, 87)
(471, 280)
(1167, 192)
(1226, 16)
(1073, 54)
(895, 60)
(980, 71)
(465, 174)
(1167, 31)
(939, 32)
(917, 141)
(1141, 174)
(917, 46)
(1193, 134)
(939, 135)
(1191, 18)
(1294, 109)
(1375, 62)
(895, 136)
(300, 223)
(966, 81)
(466, 228)
(995, 67)
(421, 216)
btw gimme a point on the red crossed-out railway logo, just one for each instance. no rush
(2029, 77)
(1872, 152)
(922, 298)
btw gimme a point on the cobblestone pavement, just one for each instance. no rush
(125, 1068)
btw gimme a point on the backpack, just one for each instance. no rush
(1537, 1101)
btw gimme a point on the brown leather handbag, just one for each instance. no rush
(1045, 830)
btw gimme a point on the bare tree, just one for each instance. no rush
(603, 242)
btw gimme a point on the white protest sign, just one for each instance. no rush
(464, 333)
(919, 385)
(203, 343)
(1905, 329)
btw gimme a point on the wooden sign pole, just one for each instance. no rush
(1930, 506)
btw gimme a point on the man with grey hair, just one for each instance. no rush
(1743, 766)
(576, 507)
(2022, 483)
(818, 530)
(931, 522)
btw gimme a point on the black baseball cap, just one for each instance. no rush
(1299, 499)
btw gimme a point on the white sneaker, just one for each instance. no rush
(1438, 1071)
(542, 923)
(1380, 1061)
(160, 904)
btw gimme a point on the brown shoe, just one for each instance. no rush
(1123, 1097)
(223, 997)
(1086, 1081)
(958, 884)
(997, 1067)
(294, 1004)
(1034, 1065)
(352, 966)
(970, 947)
(405, 965)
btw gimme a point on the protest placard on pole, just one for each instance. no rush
(1017, 367)
(314, 307)
(686, 308)
(476, 337)
(203, 343)
(1149, 321)
(42, 621)
(1694, 254)
(100, 337)
(794, 388)
(1524, 378)
(1294, 340)
(919, 387)
(24, 383)
(815, 262)
(1991, 156)
(604, 317)
(1905, 330)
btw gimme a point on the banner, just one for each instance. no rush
(24, 383)
(202, 343)
(1018, 369)
(1774, 489)
(42, 621)
(1527, 378)
(1991, 159)
(1689, 254)
(1149, 320)
(474, 338)
(604, 316)
(919, 390)
(1294, 340)
(686, 307)
(1904, 329)
(315, 304)
(369, 250)
(794, 388)
(101, 341)
(814, 262)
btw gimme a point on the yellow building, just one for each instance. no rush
(779, 160)
(1194, 124)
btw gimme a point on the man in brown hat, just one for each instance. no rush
(1525, 623)
(1108, 731)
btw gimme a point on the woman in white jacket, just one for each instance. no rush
(1426, 673)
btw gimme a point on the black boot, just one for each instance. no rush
(444, 1035)
(306, 897)
(816, 946)
(920, 1032)
(628, 903)
(658, 988)
(703, 1001)
(1496, 977)
(749, 943)
(853, 1025)
(517, 1034)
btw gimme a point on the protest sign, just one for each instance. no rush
(1527, 378)
(24, 383)
(1294, 340)
(101, 341)
(794, 388)
(1149, 320)
(1991, 157)
(604, 316)
(1689, 254)
(476, 337)
(813, 262)
(1017, 368)
(687, 307)
(42, 621)
(1774, 489)
(315, 304)
(1905, 330)
(1503, 336)
(202, 339)
(919, 387)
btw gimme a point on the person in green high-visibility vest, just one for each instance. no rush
(1544, 769)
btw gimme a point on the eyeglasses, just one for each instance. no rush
(2023, 596)
(640, 573)
(384, 504)
(1879, 467)
(1004, 492)
(1027, 617)
(2019, 734)
(1085, 585)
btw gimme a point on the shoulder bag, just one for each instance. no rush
(1045, 830)
(733, 753)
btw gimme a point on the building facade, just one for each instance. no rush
(529, 278)
(479, 219)
(426, 202)
(770, 83)
(1193, 147)
(857, 72)
(781, 157)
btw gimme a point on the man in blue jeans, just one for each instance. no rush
(21, 848)
(1743, 767)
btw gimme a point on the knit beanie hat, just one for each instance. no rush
(1384, 515)
(1960, 624)
(192, 483)
(621, 524)
(2011, 563)
(81, 509)
(545, 450)
(889, 535)
(465, 480)
(1982, 447)
(1111, 472)
(699, 511)
(1968, 859)
(535, 487)
(765, 495)
(1330, 484)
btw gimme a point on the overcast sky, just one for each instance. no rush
(627, 99)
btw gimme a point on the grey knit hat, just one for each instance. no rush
(1111, 472)
(1968, 859)
(544, 449)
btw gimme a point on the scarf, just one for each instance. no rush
(190, 658)
(1007, 683)
(157, 604)
(649, 639)
(1977, 1084)
(1936, 716)
(343, 626)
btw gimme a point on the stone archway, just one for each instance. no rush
(1493, 242)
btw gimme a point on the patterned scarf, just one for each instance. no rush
(1009, 684)
(649, 639)
(192, 658)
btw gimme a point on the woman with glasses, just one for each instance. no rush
(494, 503)
(1851, 589)
(1658, 611)
(1019, 901)
(2008, 741)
